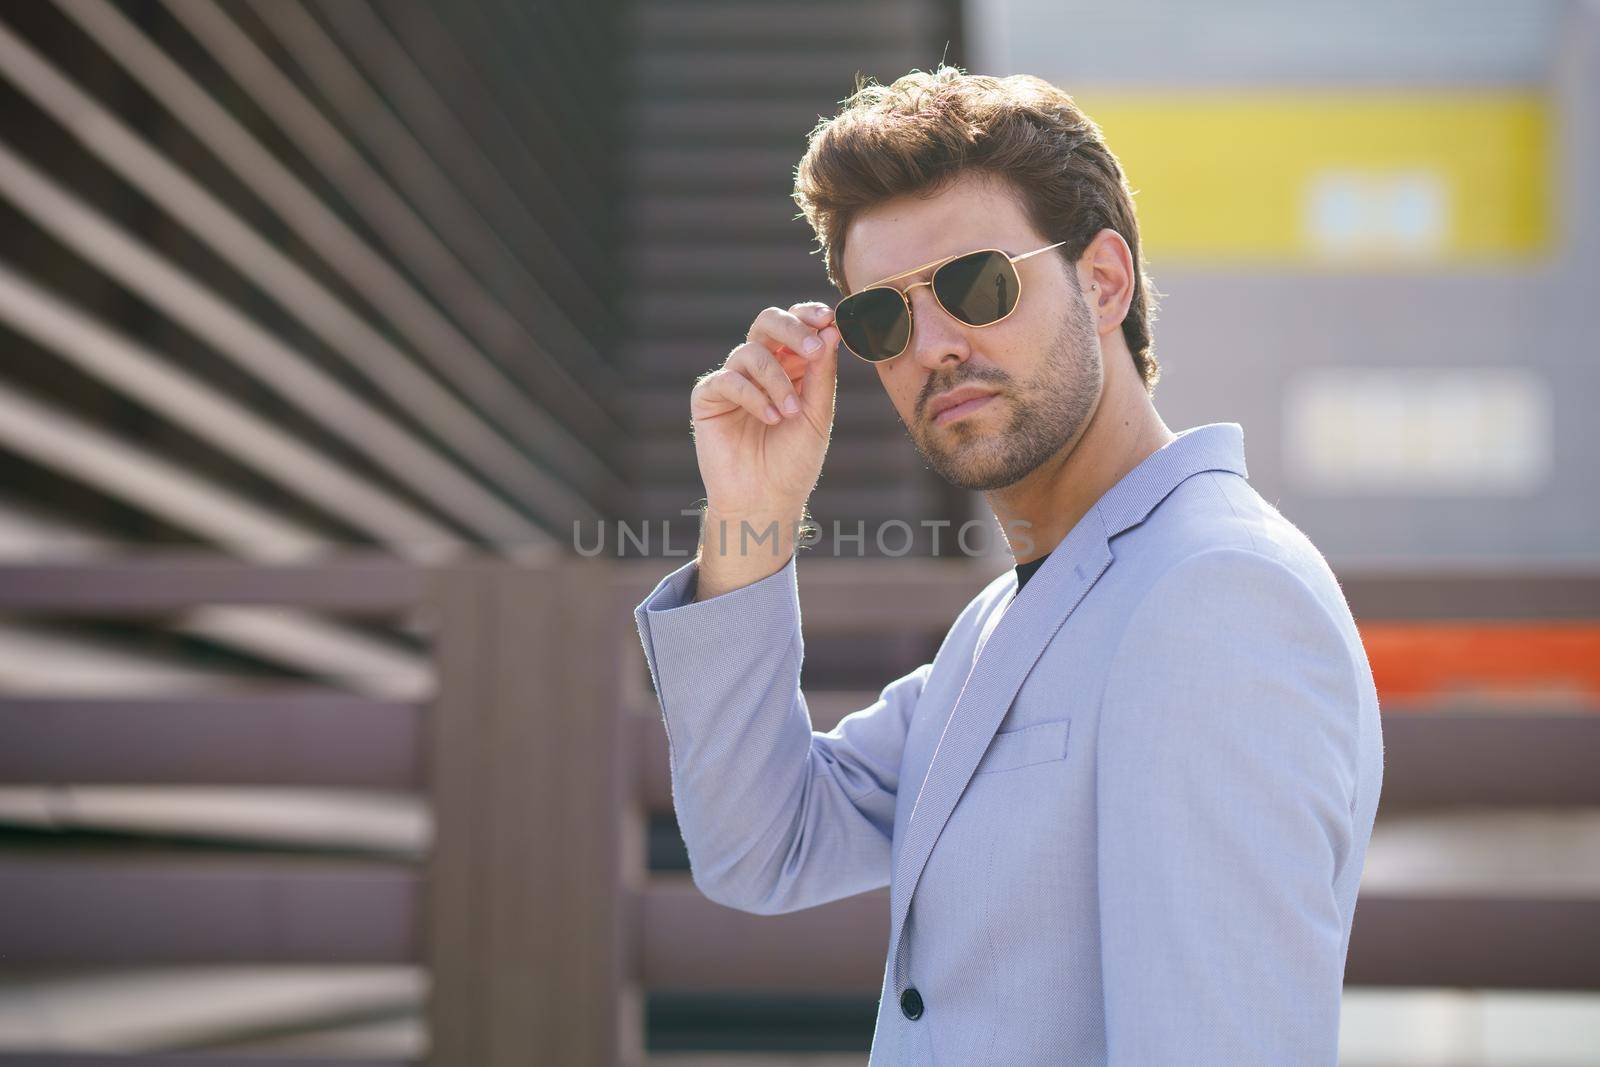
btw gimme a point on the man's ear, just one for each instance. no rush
(1106, 275)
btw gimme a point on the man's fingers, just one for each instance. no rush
(730, 386)
(817, 381)
(818, 315)
(762, 367)
(778, 329)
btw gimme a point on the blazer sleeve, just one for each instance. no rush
(776, 816)
(1226, 773)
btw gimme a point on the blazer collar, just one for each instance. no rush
(1026, 627)
(1215, 446)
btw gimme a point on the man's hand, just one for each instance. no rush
(760, 460)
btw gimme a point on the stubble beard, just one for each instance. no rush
(1047, 413)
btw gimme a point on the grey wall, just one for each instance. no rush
(1230, 340)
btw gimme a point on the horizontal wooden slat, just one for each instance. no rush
(710, 168)
(1493, 943)
(170, 907)
(186, 1059)
(688, 266)
(656, 122)
(767, 216)
(861, 404)
(1420, 594)
(158, 580)
(296, 738)
(751, 24)
(823, 74)
(1434, 759)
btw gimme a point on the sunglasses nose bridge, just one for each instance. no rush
(906, 293)
(932, 291)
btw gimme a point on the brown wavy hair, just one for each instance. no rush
(918, 134)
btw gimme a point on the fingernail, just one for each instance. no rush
(811, 344)
(772, 414)
(791, 405)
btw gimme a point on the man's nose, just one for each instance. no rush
(938, 339)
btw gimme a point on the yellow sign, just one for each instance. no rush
(1344, 177)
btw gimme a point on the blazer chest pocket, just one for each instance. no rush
(1039, 743)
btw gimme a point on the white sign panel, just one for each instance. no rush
(1418, 431)
(1403, 213)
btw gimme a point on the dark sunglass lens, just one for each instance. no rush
(977, 289)
(874, 323)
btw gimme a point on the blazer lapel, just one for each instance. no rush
(1016, 642)
(1013, 647)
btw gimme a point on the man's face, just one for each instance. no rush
(1043, 363)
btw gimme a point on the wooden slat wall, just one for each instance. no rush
(718, 100)
(282, 281)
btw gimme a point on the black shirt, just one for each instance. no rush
(1025, 570)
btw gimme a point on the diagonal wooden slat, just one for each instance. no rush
(186, 300)
(294, 288)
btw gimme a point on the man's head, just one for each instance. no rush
(943, 163)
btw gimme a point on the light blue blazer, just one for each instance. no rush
(1122, 814)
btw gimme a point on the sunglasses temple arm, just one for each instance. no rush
(1036, 251)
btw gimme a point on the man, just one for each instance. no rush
(1123, 813)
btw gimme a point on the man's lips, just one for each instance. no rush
(966, 407)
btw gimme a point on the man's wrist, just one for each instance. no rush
(737, 550)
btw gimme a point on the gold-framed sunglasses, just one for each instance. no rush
(979, 288)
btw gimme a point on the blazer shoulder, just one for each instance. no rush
(1219, 511)
(1271, 534)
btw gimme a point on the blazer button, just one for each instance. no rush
(911, 1003)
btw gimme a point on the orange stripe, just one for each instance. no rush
(1543, 660)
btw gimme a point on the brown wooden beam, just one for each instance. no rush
(153, 581)
(1511, 759)
(186, 1059)
(525, 772)
(152, 907)
(297, 737)
(1432, 595)
(1475, 942)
